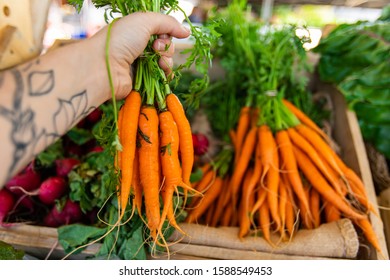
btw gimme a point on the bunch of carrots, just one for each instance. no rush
(152, 138)
(283, 176)
(156, 159)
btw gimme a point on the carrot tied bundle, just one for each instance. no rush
(286, 177)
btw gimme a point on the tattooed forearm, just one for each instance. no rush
(72, 110)
(40, 82)
(28, 135)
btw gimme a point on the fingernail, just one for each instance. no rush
(160, 46)
(186, 28)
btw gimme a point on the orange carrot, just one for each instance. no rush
(265, 222)
(208, 198)
(315, 207)
(186, 146)
(369, 233)
(136, 185)
(290, 210)
(321, 146)
(203, 185)
(321, 185)
(243, 124)
(149, 169)
(170, 163)
(248, 192)
(261, 195)
(290, 168)
(302, 117)
(307, 221)
(282, 208)
(242, 164)
(210, 212)
(332, 214)
(128, 137)
(220, 202)
(270, 163)
(227, 215)
(204, 168)
(316, 156)
(243, 213)
(357, 187)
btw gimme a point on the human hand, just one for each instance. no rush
(128, 39)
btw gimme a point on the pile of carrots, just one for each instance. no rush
(156, 159)
(283, 176)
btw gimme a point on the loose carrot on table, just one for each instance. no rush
(128, 137)
(149, 165)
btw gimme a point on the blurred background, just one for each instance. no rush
(64, 22)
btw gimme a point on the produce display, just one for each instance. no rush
(277, 171)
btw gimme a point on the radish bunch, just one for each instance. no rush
(40, 193)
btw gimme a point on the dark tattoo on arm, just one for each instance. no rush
(40, 82)
(27, 136)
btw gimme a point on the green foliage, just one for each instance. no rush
(356, 58)
(7, 252)
(257, 59)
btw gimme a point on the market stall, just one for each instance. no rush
(268, 159)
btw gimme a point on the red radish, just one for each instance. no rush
(7, 203)
(65, 165)
(96, 149)
(24, 182)
(70, 213)
(52, 189)
(81, 123)
(201, 143)
(94, 116)
(25, 201)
